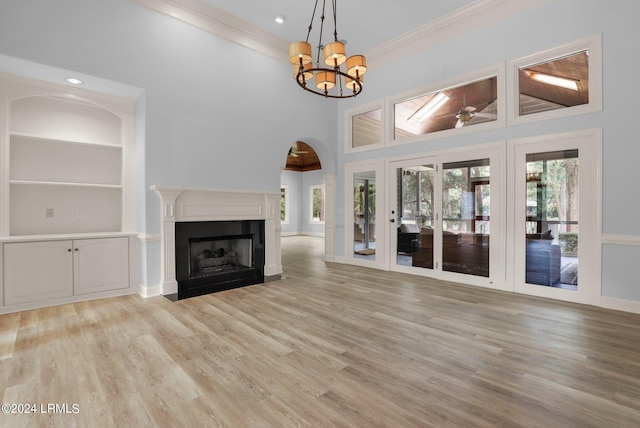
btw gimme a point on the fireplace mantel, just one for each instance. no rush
(180, 204)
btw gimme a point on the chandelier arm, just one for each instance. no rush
(357, 87)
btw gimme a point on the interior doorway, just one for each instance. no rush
(302, 192)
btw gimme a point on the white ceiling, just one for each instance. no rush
(364, 24)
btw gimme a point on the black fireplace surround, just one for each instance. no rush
(214, 256)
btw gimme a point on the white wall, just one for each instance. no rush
(293, 179)
(216, 115)
(310, 178)
(299, 201)
(545, 27)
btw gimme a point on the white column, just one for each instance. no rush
(329, 217)
(273, 256)
(168, 282)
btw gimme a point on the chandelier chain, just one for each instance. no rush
(335, 21)
(313, 16)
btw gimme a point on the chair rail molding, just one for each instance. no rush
(613, 239)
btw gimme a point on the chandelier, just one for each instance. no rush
(331, 79)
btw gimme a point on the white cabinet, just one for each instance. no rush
(100, 265)
(46, 271)
(66, 194)
(36, 271)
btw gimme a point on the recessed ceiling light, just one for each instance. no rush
(73, 81)
(280, 19)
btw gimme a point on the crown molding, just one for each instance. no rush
(464, 20)
(221, 23)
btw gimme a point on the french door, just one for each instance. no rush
(365, 240)
(413, 213)
(556, 219)
(446, 216)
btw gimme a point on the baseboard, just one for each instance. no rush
(149, 291)
(316, 234)
(620, 304)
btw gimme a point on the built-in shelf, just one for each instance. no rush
(69, 160)
(21, 136)
(66, 195)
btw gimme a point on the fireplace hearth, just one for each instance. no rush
(214, 256)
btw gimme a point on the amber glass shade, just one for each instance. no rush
(356, 65)
(325, 78)
(334, 54)
(299, 50)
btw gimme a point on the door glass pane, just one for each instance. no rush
(551, 224)
(364, 215)
(466, 205)
(414, 216)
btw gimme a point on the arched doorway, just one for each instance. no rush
(302, 203)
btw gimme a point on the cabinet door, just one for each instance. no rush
(100, 265)
(35, 271)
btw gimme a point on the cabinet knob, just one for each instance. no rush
(69, 250)
(76, 249)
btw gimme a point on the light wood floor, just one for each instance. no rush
(330, 345)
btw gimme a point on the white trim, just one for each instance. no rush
(467, 19)
(330, 191)
(313, 187)
(150, 291)
(149, 237)
(589, 143)
(620, 304)
(612, 239)
(497, 71)
(223, 24)
(382, 218)
(593, 45)
(348, 126)
(286, 203)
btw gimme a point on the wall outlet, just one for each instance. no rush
(49, 212)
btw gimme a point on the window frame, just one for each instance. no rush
(348, 127)
(311, 200)
(497, 71)
(284, 190)
(592, 44)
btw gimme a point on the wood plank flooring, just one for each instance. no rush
(330, 345)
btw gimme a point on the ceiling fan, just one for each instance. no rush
(466, 113)
(295, 150)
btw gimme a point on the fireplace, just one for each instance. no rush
(205, 214)
(218, 255)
